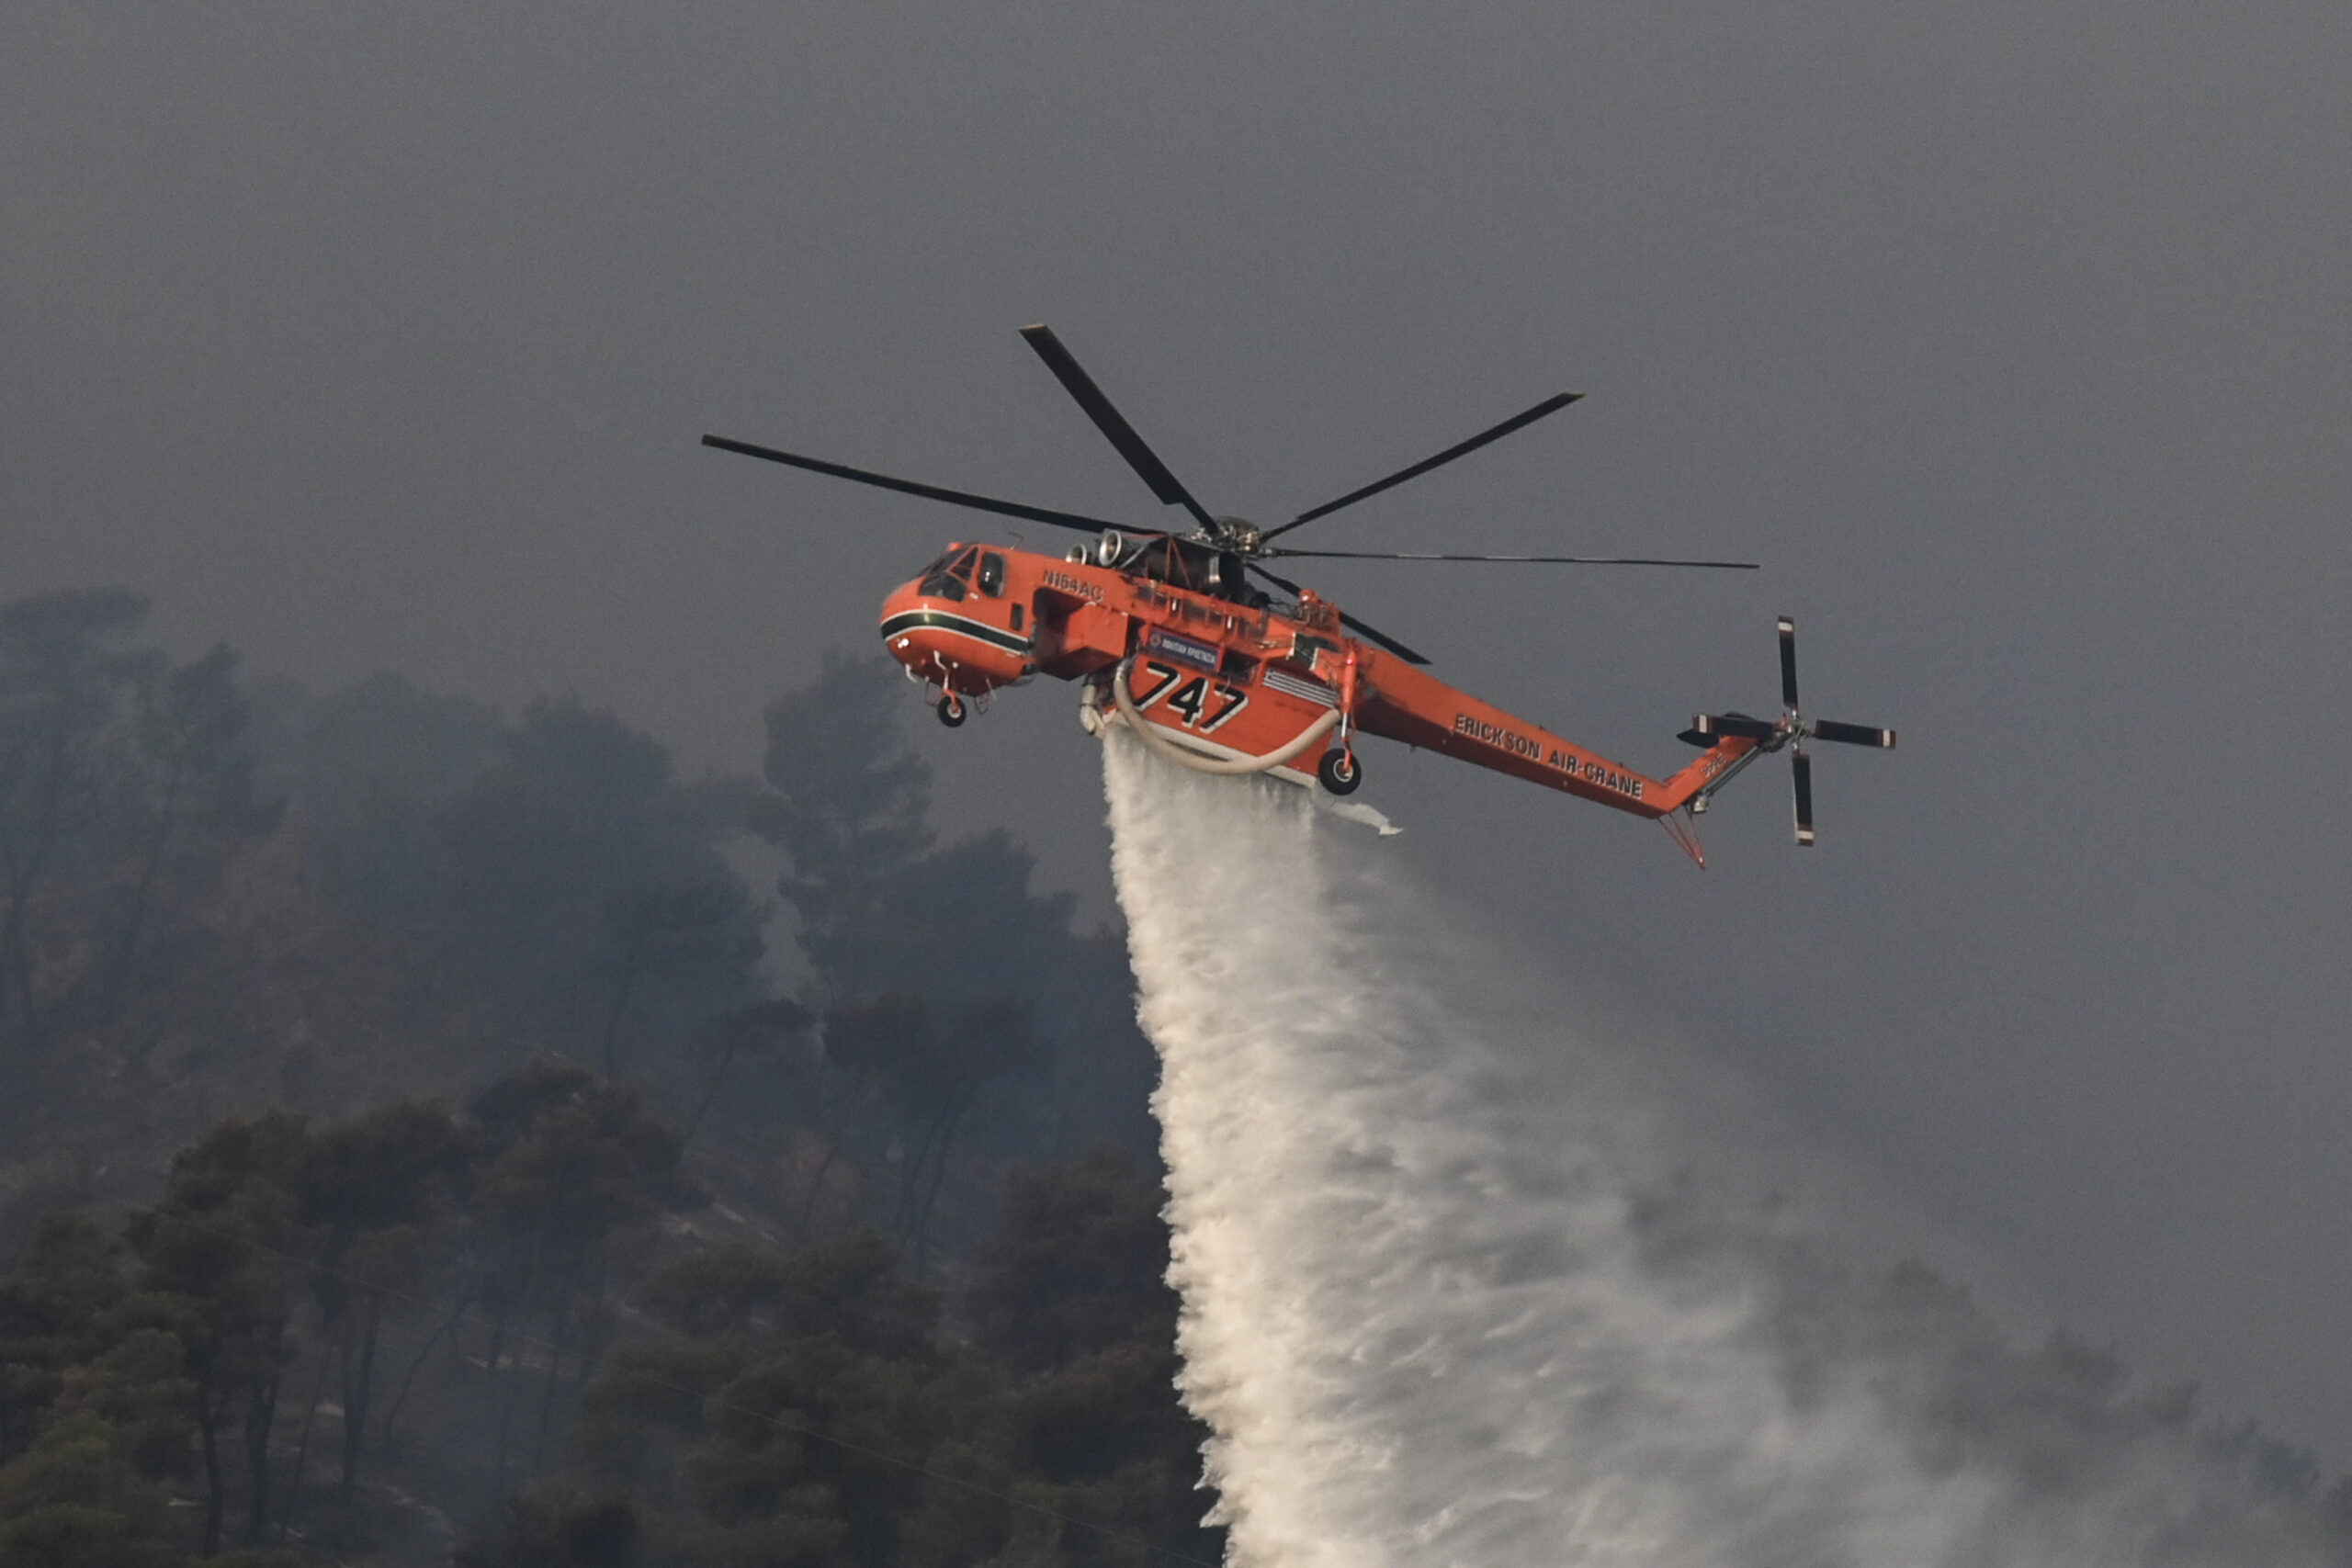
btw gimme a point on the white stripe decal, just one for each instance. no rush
(1299, 686)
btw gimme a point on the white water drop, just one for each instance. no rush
(1442, 1306)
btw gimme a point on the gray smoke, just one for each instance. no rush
(1464, 1287)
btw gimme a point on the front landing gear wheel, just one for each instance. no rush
(952, 711)
(1339, 772)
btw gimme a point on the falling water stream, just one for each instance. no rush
(1451, 1297)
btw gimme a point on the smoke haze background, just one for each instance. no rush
(2013, 340)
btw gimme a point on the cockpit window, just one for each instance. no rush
(941, 578)
(992, 574)
(963, 567)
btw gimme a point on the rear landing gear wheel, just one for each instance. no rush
(952, 711)
(1340, 771)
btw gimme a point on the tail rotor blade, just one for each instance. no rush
(1113, 423)
(1852, 734)
(1802, 774)
(1788, 661)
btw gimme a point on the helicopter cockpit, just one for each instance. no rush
(960, 569)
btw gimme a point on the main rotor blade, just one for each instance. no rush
(1788, 661)
(908, 487)
(1852, 734)
(1366, 632)
(1555, 560)
(1111, 423)
(1549, 405)
(1802, 776)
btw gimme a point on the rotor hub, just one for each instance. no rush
(1239, 535)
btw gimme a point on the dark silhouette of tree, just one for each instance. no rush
(986, 1046)
(188, 806)
(718, 1293)
(565, 1170)
(729, 1311)
(826, 1389)
(558, 1529)
(78, 1334)
(961, 924)
(229, 1238)
(1070, 1292)
(762, 1031)
(1078, 1263)
(846, 805)
(883, 912)
(849, 1290)
(867, 1042)
(54, 1307)
(75, 1500)
(95, 1402)
(672, 932)
(807, 1410)
(890, 1055)
(126, 787)
(815, 1455)
(65, 681)
(376, 765)
(374, 1187)
(881, 909)
(583, 883)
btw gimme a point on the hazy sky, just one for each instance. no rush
(2013, 339)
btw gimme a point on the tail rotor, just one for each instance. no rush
(1788, 733)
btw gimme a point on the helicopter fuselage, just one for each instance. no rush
(1225, 678)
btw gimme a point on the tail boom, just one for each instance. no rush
(1400, 702)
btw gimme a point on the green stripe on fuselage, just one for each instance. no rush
(940, 620)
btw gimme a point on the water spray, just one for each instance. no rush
(1451, 1299)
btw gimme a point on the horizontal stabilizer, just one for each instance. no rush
(1712, 727)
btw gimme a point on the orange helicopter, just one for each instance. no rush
(1167, 635)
